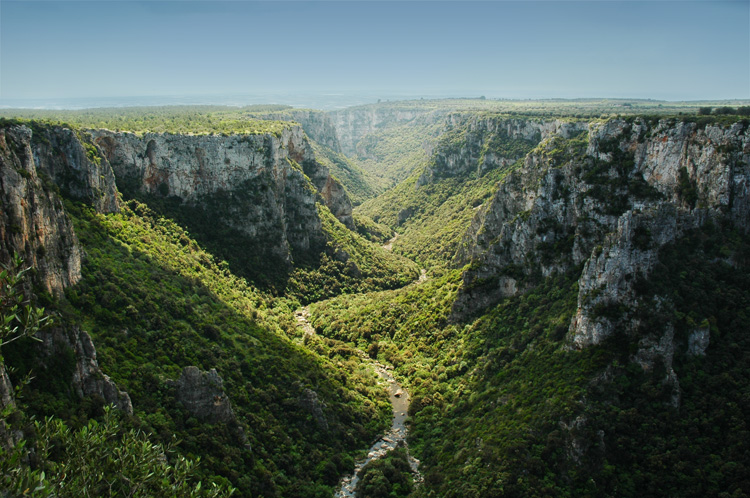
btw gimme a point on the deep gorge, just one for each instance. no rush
(583, 330)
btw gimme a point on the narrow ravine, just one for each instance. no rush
(394, 437)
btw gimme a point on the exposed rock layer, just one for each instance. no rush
(595, 206)
(261, 178)
(36, 163)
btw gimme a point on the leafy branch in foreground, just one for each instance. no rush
(18, 318)
(98, 460)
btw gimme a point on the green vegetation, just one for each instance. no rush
(390, 155)
(154, 302)
(374, 232)
(355, 180)
(650, 446)
(432, 209)
(195, 120)
(96, 460)
(431, 219)
(501, 404)
(18, 317)
(486, 394)
(99, 460)
(350, 264)
(387, 477)
(343, 262)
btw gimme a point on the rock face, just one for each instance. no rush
(317, 125)
(310, 402)
(475, 144)
(261, 178)
(36, 163)
(33, 222)
(698, 341)
(88, 378)
(609, 202)
(353, 123)
(203, 395)
(76, 166)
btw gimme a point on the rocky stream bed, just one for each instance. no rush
(396, 436)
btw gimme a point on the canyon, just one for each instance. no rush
(556, 302)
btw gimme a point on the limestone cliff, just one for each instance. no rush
(473, 144)
(33, 222)
(608, 202)
(317, 125)
(37, 163)
(259, 179)
(702, 174)
(353, 123)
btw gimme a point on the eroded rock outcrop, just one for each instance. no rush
(202, 394)
(310, 402)
(88, 378)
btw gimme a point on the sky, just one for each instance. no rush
(670, 50)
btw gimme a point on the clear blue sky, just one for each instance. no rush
(666, 50)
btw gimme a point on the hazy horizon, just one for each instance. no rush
(200, 50)
(325, 102)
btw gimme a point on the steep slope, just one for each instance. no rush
(253, 200)
(598, 324)
(35, 165)
(323, 136)
(198, 350)
(387, 141)
(358, 184)
(432, 208)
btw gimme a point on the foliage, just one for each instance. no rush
(348, 264)
(485, 395)
(389, 155)
(357, 182)
(196, 120)
(431, 219)
(100, 459)
(155, 302)
(374, 232)
(386, 477)
(18, 317)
